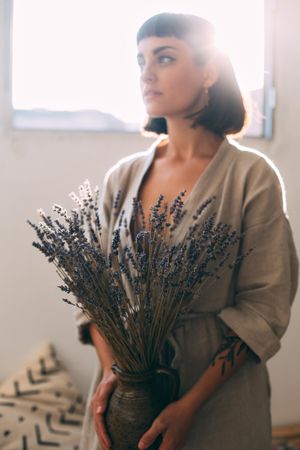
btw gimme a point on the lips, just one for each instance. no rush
(151, 93)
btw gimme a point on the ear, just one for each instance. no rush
(211, 74)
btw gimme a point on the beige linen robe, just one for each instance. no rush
(254, 301)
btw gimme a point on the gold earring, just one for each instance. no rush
(204, 99)
(202, 103)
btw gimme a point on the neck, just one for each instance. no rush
(185, 143)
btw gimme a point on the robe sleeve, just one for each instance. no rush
(266, 279)
(82, 321)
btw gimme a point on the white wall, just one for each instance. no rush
(39, 168)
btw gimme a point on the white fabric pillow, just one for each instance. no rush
(39, 406)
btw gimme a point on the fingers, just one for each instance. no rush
(101, 396)
(169, 444)
(150, 436)
(99, 405)
(100, 428)
(102, 433)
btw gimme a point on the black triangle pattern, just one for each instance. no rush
(68, 420)
(34, 380)
(47, 370)
(44, 370)
(34, 424)
(43, 442)
(22, 392)
(53, 430)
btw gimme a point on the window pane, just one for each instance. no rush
(81, 55)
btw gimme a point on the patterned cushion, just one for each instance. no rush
(39, 406)
(286, 437)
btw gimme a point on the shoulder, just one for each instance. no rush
(127, 164)
(257, 172)
(253, 159)
(256, 166)
(127, 167)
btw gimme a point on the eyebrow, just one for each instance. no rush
(158, 49)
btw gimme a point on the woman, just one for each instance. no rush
(193, 102)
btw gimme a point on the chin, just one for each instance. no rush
(155, 112)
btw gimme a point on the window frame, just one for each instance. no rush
(85, 121)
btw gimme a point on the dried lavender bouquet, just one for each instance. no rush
(162, 276)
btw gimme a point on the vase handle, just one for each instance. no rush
(175, 381)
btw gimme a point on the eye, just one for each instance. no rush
(161, 58)
(164, 57)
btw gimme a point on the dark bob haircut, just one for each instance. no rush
(225, 113)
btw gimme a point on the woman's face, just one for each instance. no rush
(167, 66)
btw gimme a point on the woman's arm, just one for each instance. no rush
(105, 387)
(176, 420)
(102, 348)
(232, 354)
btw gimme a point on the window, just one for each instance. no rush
(74, 63)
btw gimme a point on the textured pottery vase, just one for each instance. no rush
(136, 402)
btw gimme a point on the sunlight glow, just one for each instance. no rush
(73, 55)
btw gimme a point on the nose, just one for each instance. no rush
(147, 73)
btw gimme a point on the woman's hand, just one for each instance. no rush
(99, 404)
(174, 423)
